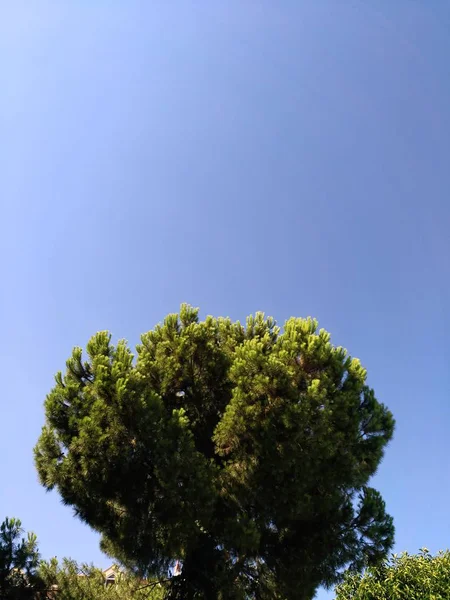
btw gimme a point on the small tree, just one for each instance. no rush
(403, 577)
(244, 453)
(70, 581)
(19, 559)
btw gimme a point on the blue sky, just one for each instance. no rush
(291, 157)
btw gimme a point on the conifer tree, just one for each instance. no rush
(241, 452)
(19, 559)
(68, 580)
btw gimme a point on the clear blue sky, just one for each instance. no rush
(291, 157)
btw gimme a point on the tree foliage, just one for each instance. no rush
(19, 558)
(244, 452)
(70, 581)
(403, 577)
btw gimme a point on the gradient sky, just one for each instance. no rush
(291, 157)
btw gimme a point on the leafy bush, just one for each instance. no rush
(403, 577)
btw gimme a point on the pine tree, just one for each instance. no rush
(19, 559)
(69, 580)
(243, 452)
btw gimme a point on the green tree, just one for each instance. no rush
(19, 558)
(70, 581)
(403, 577)
(243, 452)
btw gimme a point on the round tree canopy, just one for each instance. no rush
(240, 453)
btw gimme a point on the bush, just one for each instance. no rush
(403, 577)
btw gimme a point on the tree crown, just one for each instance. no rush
(244, 452)
(19, 559)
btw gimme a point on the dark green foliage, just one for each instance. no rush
(19, 559)
(243, 452)
(403, 577)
